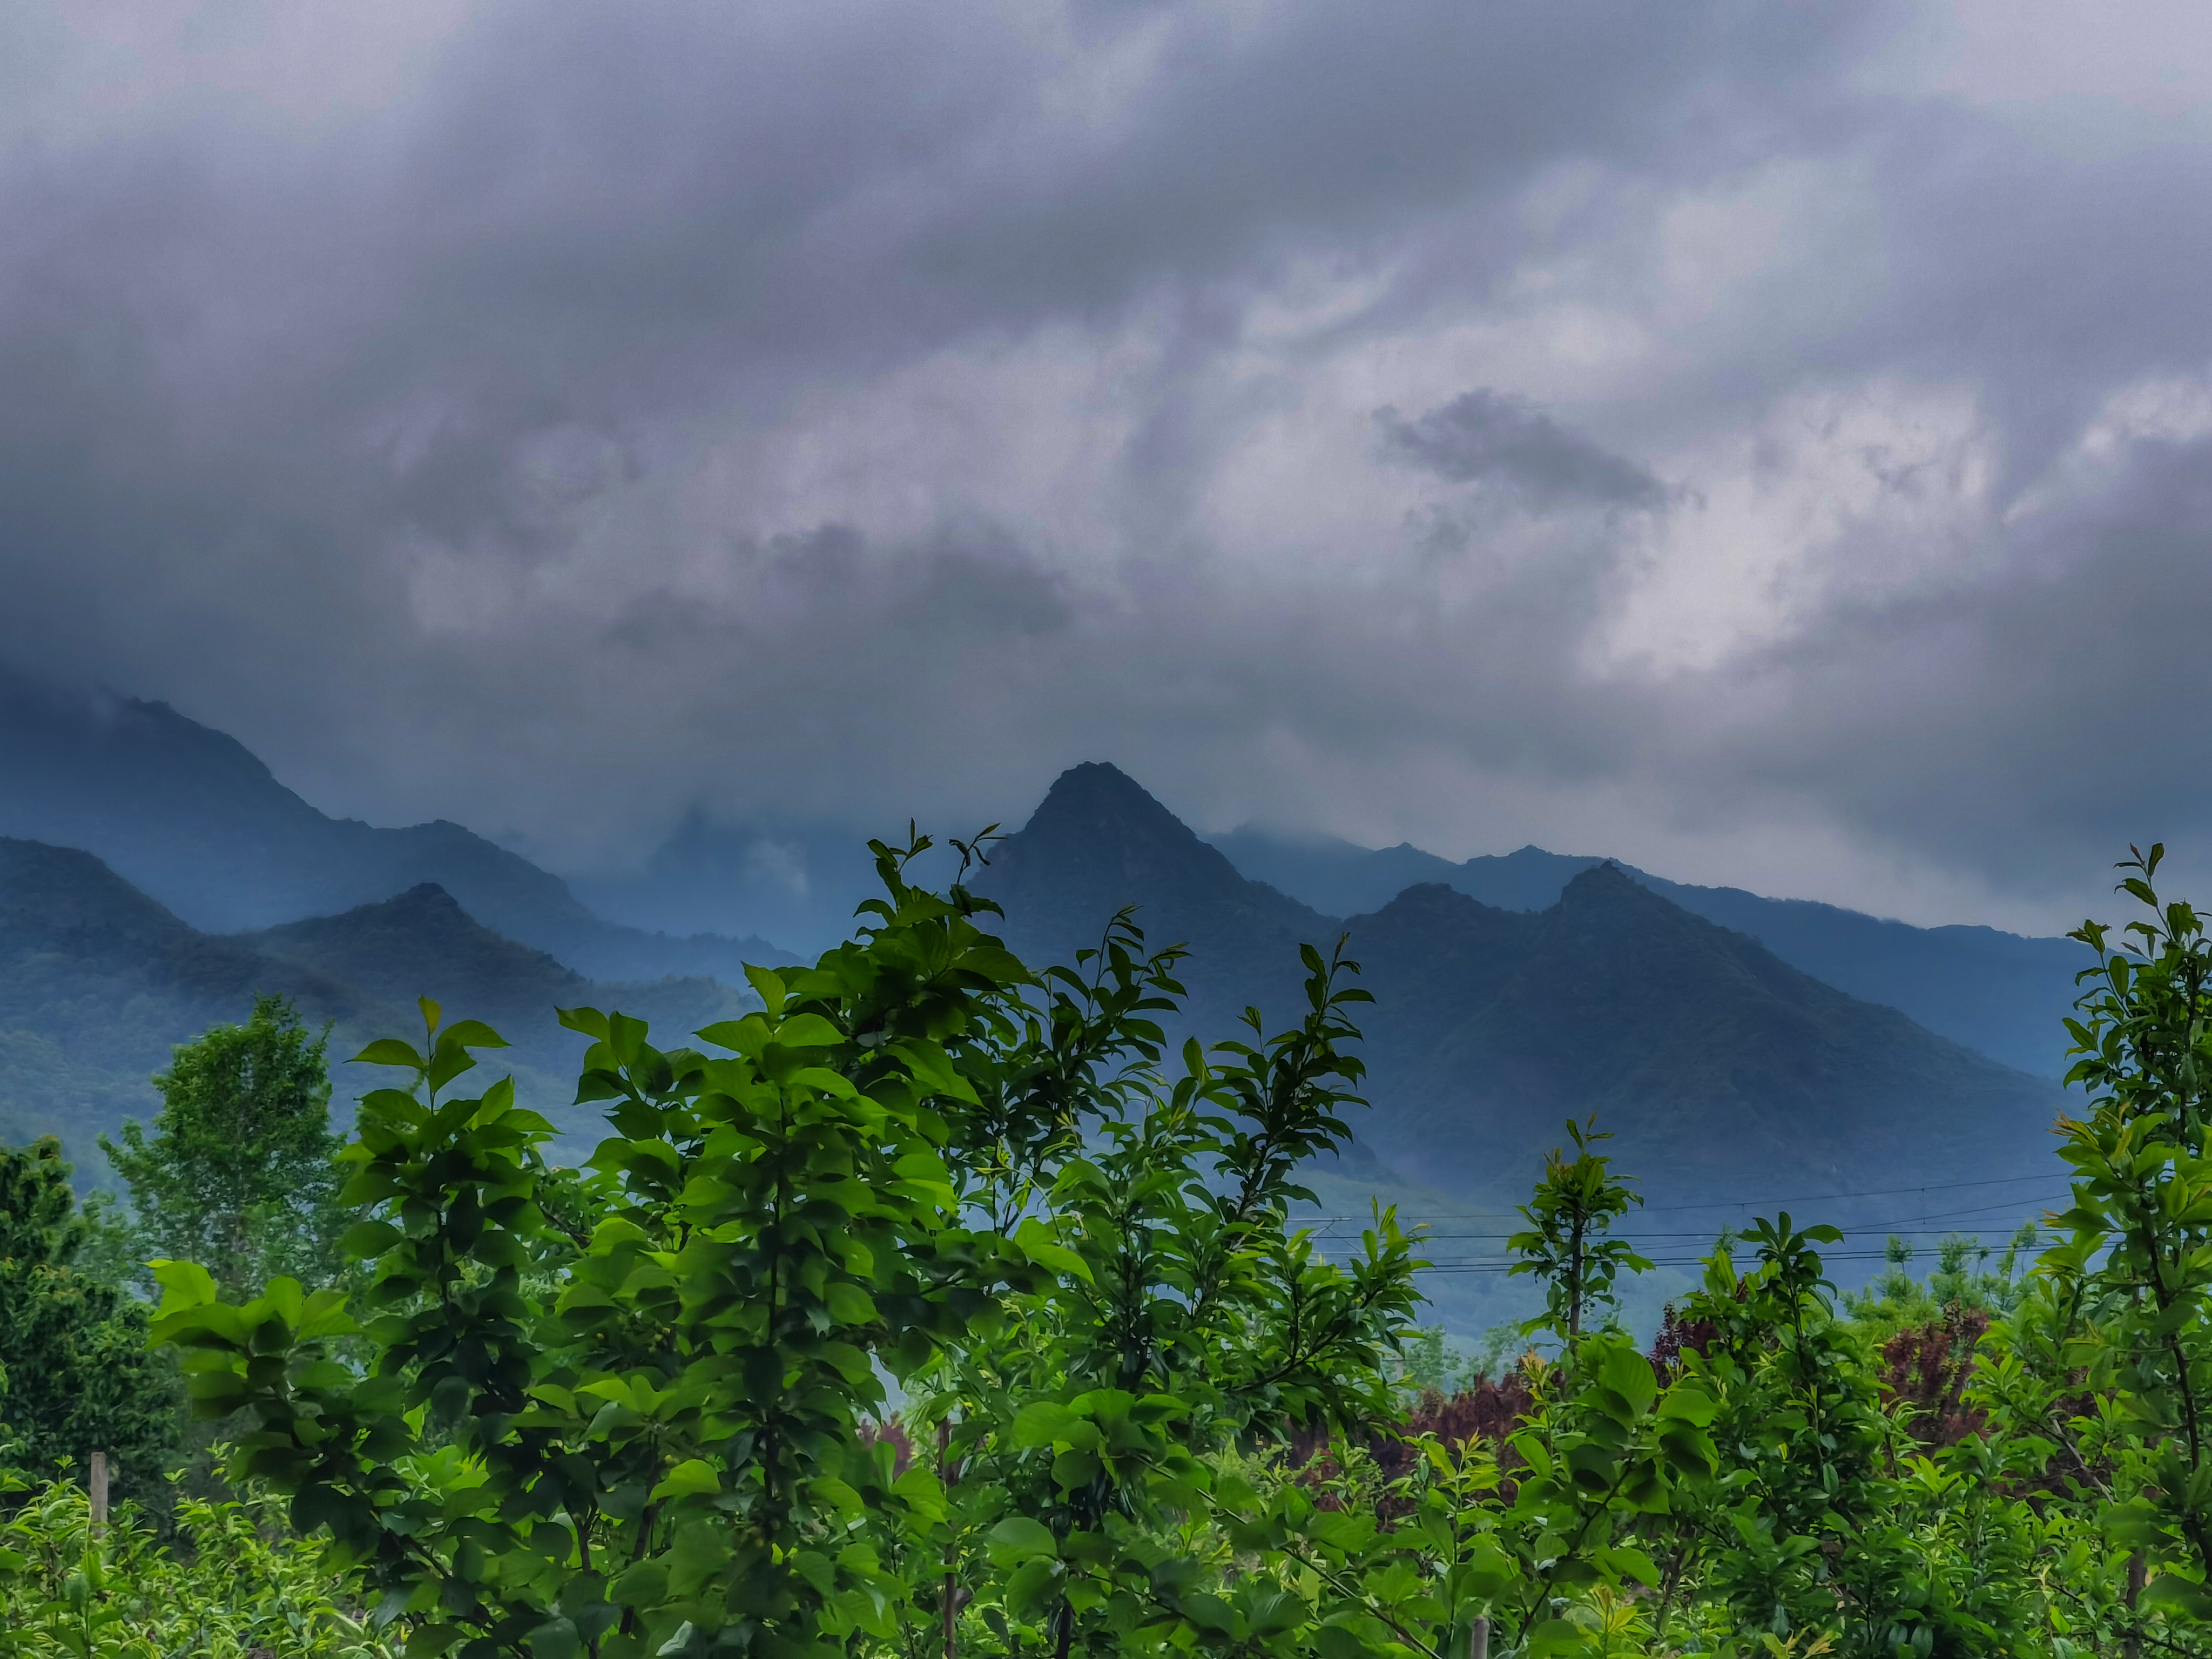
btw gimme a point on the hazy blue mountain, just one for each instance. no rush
(1344, 879)
(422, 943)
(2000, 993)
(1098, 842)
(98, 983)
(194, 819)
(1720, 1067)
(796, 884)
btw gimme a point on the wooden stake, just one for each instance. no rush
(98, 1483)
(948, 1471)
(1478, 1639)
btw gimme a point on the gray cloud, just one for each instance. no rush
(559, 417)
(1491, 437)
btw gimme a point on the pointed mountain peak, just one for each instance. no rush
(419, 943)
(1096, 824)
(1097, 795)
(1430, 898)
(425, 912)
(1098, 842)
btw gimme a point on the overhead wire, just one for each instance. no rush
(1739, 1203)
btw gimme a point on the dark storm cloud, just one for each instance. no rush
(558, 417)
(1490, 437)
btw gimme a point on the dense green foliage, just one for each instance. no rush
(1564, 1244)
(78, 1375)
(239, 1176)
(223, 1581)
(647, 1407)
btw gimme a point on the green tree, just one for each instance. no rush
(239, 1175)
(1189, 1321)
(627, 1413)
(1565, 1243)
(80, 1378)
(2120, 1326)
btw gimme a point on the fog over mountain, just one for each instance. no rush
(1752, 442)
(1510, 993)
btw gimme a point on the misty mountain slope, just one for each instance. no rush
(194, 818)
(98, 983)
(1720, 1067)
(1716, 1065)
(1344, 879)
(2001, 993)
(1099, 841)
(423, 944)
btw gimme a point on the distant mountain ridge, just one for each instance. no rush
(98, 982)
(1098, 842)
(339, 913)
(2003, 994)
(193, 818)
(1717, 1065)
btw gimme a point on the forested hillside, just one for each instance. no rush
(1717, 1066)
(2000, 993)
(97, 982)
(1137, 1413)
(190, 817)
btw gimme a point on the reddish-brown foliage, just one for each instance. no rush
(1488, 1412)
(1676, 1335)
(1926, 1370)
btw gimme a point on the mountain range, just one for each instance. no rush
(98, 980)
(191, 817)
(1715, 1064)
(158, 875)
(1999, 993)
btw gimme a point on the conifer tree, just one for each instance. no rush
(80, 1378)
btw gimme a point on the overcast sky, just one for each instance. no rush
(1772, 444)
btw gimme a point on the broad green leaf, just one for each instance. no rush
(689, 1478)
(390, 1051)
(1019, 1539)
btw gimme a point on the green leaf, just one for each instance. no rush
(1629, 1375)
(590, 1021)
(367, 1240)
(1019, 1539)
(2175, 1594)
(808, 1031)
(770, 987)
(184, 1285)
(1043, 1422)
(1035, 1241)
(689, 1478)
(848, 1303)
(1554, 1636)
(390, 1051)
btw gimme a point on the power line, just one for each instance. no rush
(1894, 1224)
(1657, 1261)
(1739, 1203)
